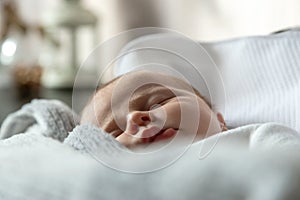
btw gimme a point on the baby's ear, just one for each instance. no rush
(220, 117)
(222, 121)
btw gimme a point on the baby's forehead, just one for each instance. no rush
(144, 83)
(155, 78)
(146, 79)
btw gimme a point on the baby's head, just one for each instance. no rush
(143, 107)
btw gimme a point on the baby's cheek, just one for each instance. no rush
(189, 115)
(88, 118)
(127, 140)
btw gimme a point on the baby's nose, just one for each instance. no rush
(136, 119)
(141, 118)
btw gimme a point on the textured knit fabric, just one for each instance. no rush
(37, 167)
(90, 163)
(90, 139)
(51, 118)
(261, 78)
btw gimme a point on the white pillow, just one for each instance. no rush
(259, 76)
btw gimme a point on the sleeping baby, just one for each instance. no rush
(143, 107)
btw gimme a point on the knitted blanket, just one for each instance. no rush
(48, 155)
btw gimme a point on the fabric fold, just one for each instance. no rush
(51, 118)
(90, 139)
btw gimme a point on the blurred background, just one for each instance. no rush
(42, 43)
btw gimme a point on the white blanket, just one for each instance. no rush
(36, 166)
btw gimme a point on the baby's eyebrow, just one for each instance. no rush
(150, 94)
(137, 99)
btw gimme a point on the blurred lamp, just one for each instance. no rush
(72, 34)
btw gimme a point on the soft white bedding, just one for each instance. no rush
(43, 168)
(259, 161)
